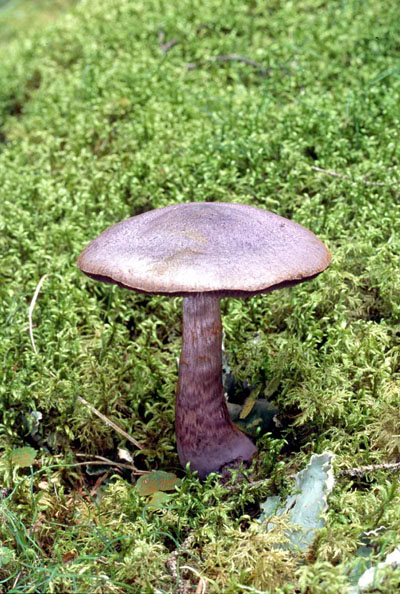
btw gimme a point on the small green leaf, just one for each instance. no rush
(159, 480)
(23, 457)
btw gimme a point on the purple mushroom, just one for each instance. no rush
(203, 251)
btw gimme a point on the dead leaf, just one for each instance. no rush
(124, 454)
(23, 457)
(70, 556)
(247, 407)
(159, 480)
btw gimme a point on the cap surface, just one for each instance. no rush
(205, 246)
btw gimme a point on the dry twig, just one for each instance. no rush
(201, 586)
(183, 587)
(110, 423)
(100, 460)
(165, 46)
(231, 58)
(360, 471)
(341, 176)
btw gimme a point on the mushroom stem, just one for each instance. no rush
(205, 434)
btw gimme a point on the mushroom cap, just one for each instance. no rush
(224, 248)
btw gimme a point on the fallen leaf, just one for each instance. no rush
(159, 480)
(124, 454)
(247, 407)
(23, 457)
(69, 556)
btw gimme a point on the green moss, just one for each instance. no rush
(97, 123)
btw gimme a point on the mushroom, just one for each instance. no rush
(203, 251)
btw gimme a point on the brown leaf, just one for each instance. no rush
(70, 556)
(159, 480)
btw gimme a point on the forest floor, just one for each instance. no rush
(110, 108)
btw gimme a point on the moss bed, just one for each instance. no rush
(109, 108)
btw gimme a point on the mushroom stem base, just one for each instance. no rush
(205, 434)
